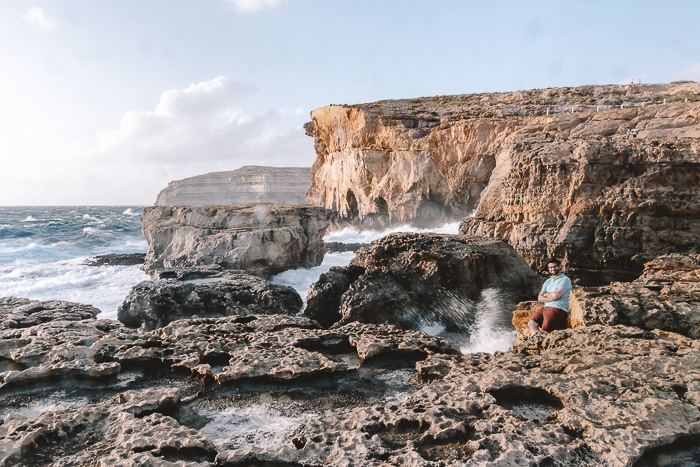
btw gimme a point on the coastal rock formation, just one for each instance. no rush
(262, 239)
(605, 207)
(154, 304)
(417, 279)
(550, 171)
(278, 390)
(249, 184)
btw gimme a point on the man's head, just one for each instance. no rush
(554, 266)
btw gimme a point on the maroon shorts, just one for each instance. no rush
(549, 318)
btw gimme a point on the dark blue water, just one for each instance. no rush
(43, 251)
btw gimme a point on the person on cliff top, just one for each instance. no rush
(555, 296)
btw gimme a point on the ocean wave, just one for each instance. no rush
(104, 288)
(131, 212)
(29, 219)
(88, 217)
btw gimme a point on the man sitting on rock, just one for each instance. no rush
(555, 296)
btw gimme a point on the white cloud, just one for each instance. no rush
(37, 18)
(202, 129)
(254, 5)
(691, 72)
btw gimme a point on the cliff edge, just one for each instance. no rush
(249, 184)
(606, 177)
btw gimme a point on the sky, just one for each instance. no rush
(105, 102)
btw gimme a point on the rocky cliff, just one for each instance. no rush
(553, 171)
(249, 184)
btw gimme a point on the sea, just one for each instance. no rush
(45, 251)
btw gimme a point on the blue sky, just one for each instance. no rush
(105, 102)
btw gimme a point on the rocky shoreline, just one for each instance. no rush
(212, 365)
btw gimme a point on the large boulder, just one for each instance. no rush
(262, 239)
(410, 280)
(154, 304)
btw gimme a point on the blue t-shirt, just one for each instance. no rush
(555, 283)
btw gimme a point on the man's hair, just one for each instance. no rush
(553, 260)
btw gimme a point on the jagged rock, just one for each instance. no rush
(588, 396)
(129, 259)
(249, 184)
(262, 239)
(427, 160)
(24, 313)
(135, 428)
(605, 207)
(412, 279)
(154, 304)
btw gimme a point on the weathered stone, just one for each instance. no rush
(249, 184)
(413, 279)
(427, 160)
(262, 239)
(605, 207)
(129, 259)
(23, 312)
(154, 304)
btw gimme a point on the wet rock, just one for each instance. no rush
(261, 239)
(333, 247)
(154, 304)
(586, 396)
(413, 279)
(130, 259)
(135, 428)
(23, 312)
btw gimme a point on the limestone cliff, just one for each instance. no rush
(249, 184)
(550, 171)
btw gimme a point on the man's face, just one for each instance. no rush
(554, 269)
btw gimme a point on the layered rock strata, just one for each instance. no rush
(550, 171)
(249, 184)
(154, 304)
(262, 239)
(413, 280)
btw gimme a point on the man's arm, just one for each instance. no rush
(549, 296)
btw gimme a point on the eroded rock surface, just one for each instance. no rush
(605, 206)
(262, 239)
(154, 304)
(249, 184)
(413, 279)
(427, 160)
(279, 390)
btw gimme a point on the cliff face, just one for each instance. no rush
(550, 171)
(249, 184)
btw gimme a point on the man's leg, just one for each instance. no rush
(535, 321)
(553, 319)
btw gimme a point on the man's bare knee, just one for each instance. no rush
(534, 327)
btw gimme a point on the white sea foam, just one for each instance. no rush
(88, 217)
(130, 212)
(352, 235)
(258, 425)
(302, 278)
(103, 287)
(30, 219)
(488, 335)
